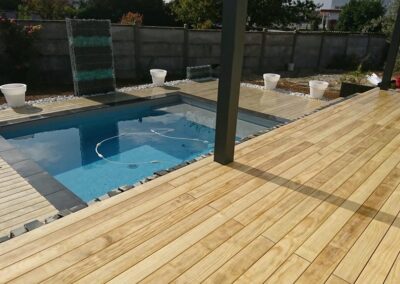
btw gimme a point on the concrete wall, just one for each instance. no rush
(137, 49)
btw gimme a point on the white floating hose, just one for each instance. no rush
(158, 132)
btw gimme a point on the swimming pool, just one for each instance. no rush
(95, 151)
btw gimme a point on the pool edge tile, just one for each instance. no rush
(46, 185)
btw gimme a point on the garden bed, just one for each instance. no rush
(300, 84)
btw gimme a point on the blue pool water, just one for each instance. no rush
(133, 141)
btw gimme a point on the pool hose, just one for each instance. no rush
(159, 131)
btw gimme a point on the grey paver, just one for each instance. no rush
(18, 231)
(33, 225)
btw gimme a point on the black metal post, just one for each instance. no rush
(233, 29)
(392, 54)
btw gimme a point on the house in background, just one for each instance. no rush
(330, 11)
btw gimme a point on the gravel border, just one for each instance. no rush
(72, 97)
(148, 86)
(285, 92)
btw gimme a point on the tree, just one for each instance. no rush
(360, 15)
(390, 17)
(19, 49)
(303, 12)
(388, 26)
(198, 13)
(154, 12)
(131, 18)
(9, 4)
(49, 9)
(266, 13)
(261, 13)
(281, 13)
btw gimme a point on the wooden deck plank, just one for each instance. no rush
(266, 201)
(278, 254)
(355, 260)
(394, 274)
(239, 263)
(30, 201)
(327, 260)
(20, 203)
(314, 245)
(333, 279)
(326, 180)
(288, 272)
(185, 260)
(379, 265)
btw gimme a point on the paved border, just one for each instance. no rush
(55, 193)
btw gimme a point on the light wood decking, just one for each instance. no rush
(20, 203)
(316, 200)
(263, 101)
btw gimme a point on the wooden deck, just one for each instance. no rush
(20, 203)
(315, 201)
(263, 101)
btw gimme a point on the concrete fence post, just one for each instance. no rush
(367, 50)
(293, 52)
(262, 51)
(346, 44)
(138, 65)
(185, 51)
(320, 52)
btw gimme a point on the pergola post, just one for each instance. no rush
(392, 54)
(233, 31)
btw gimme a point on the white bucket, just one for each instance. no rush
(317, 88)
(158, 76)
(14, 94)
(271, 80)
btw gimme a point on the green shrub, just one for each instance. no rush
(18, 49)
(359, 15)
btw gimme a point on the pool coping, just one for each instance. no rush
(6, 149)
(52, 190)
(34, 117)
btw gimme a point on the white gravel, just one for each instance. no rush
(282, 91)
(147, 86)
(72, 97)
(44, 101)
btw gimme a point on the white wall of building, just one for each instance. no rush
(335, 4)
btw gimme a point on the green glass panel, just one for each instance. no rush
(94, 75)
(84, 41)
